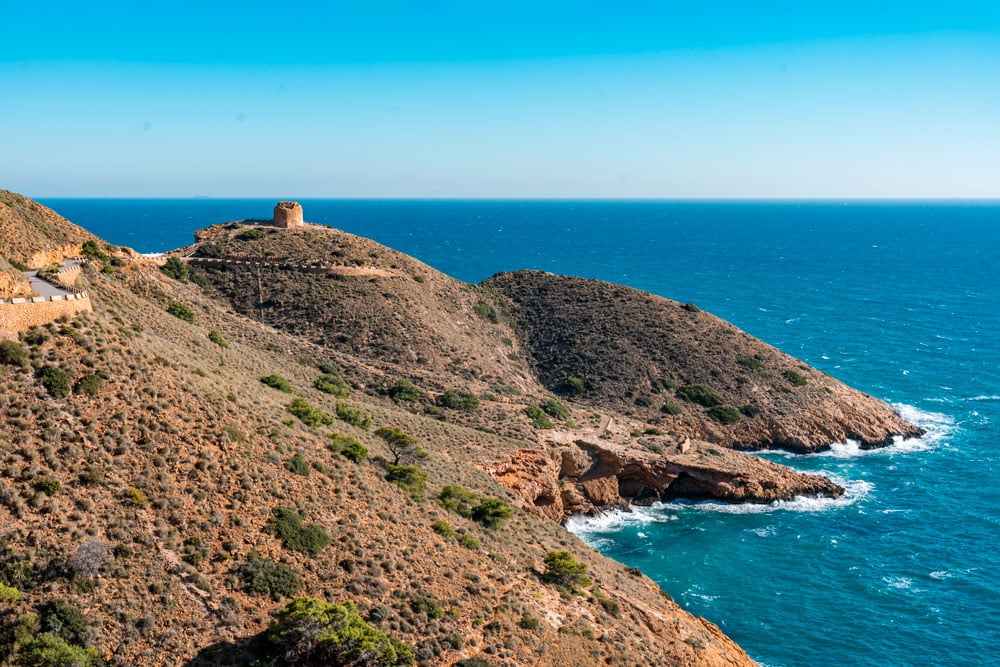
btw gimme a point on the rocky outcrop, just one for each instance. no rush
(580, 474)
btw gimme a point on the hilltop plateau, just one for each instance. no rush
(217, 438)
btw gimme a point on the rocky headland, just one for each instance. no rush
(218, 437)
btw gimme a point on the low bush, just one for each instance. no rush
(298, 465)
(135, 497)
(724, 414)
(286, 524)
(671, 409)
(459, 399)
(90, 384)
(750, 410)
(405, 390)
(12, 353)
(565, 571)
(553, 408)
(314, 632)
(347, 447)
(275, 381)
(251, 234)
(750, 363)
(571, 386)
(49, 650)
(795, 378)
(334, 385)
(457, 500)
(492, 513)
(55, 380)
(701, 394)
(309, 415)
(262, 576)
(410, 478)
(175, 268)
(353, 416)
(217, 338)
(181, 311)
(538, 417)
(442, 528)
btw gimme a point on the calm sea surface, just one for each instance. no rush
(900, 300)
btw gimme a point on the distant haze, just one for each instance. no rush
(449, 99)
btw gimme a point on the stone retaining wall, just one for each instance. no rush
(23, 313)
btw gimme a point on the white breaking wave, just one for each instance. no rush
(984, 398)
(612, 521)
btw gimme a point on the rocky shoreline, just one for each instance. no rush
(581, 473)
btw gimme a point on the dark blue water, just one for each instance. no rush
(900, 300)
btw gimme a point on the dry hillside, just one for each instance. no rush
(35, 235)
(159, 502)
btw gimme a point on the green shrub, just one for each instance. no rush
(93, 475)
(643, 401)
(90, 384)
(405, 390)
(457, 500)
(554, 408)
(314, 632)
(55, 380)
(565, 571)
(181, 311)
(286, 524)
(49, 650)
(262, 576)
(691, 308)
(275, 381)
(750, 410)
(64, 619)
(333, 385)
(571, 386)
(750, 363)
(217, 338)
(135, 497)
(795, 378)
(251, 234)
(701, 394)
(469, 541)
(459, 399)
(493, 513)
(347, 447)
(12, 353)
(423, 604)
(8, 594)
(309, 415)
(724, 414)
(175, 268)
(48, 485)
(538, 417)
(492, 314)
(353, 416)
(298, 465)
(407, 477)
(662, 384)
(442, 528)
(671, 409)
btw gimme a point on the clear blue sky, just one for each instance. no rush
(501, 99)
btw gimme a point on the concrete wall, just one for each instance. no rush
(21, 314)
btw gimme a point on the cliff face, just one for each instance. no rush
(685, 370)
(35, 235)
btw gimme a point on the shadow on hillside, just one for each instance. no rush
(252, 650)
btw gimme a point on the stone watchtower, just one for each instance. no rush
(288, 214)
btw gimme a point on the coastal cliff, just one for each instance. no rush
(217, 438)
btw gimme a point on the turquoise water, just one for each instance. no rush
(899, 300)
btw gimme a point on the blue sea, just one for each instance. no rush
(901, 300)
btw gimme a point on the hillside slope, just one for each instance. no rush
(35, 235)
(684, 370)
(152, 485)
